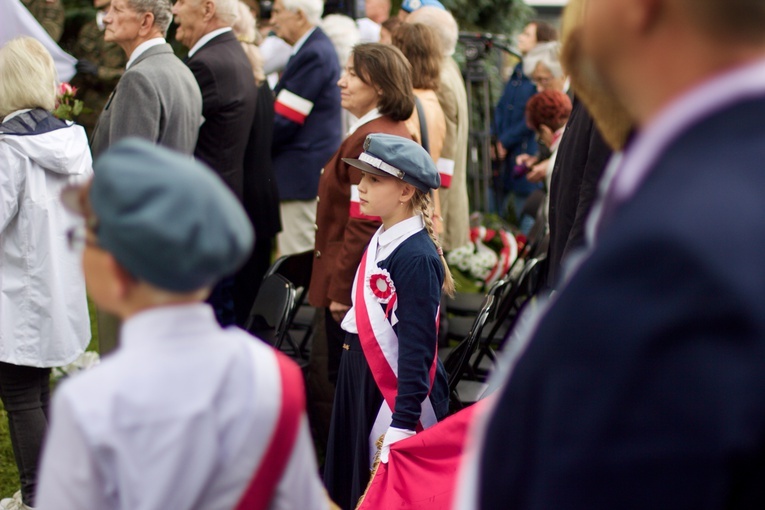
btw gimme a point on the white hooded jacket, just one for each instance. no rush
(44, 318)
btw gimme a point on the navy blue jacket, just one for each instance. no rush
(644, 386)
(418, 274)
(301, 148)
(510, 127)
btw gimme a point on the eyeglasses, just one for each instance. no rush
(77, 238)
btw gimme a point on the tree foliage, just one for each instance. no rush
(494, 16)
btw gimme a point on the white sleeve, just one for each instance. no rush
(11, 179)
(276, 52)
(69, 476)
(300, 486)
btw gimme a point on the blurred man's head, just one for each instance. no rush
(647, 52)
(197, 18)
(160, 228)
(442, 22)
(292, 19)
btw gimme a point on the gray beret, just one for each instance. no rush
(400, 157)
(166, 218)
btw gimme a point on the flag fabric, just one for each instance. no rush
(421, 473)
(17, 21)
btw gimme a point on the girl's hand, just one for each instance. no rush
(338, 311)
(393, 435)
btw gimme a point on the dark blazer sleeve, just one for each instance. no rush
(300, 79)
(598, 154)
(418, 282)
(208, 85)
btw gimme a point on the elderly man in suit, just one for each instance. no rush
(453, 99)
(229, 96)
(307, 124)
(157, 98)
(643, 383)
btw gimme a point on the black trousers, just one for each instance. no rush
(25, 392)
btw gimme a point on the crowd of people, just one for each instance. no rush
(636, 380)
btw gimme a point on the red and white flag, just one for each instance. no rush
(446, 171)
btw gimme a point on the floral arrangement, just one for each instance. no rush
(67, 107)
(492, 250)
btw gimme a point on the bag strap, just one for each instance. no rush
(424, 139)
(262, 487)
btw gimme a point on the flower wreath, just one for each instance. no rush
(381, 284)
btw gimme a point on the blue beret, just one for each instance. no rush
(413, 5)
(400, 157)
(166, 218)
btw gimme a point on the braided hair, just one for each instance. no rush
(421, 203)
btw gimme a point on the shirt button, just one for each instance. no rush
(318, 254)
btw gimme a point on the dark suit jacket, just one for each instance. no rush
(229, 97)
(157, 99)
(582, 158)
(302, 146)
(644, 386)
(340, 239)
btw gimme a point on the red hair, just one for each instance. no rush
(550, 108)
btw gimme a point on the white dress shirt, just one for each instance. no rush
(177, 418)
(207, 38)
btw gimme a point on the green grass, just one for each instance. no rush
(9, 475)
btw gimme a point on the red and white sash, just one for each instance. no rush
(380, 345)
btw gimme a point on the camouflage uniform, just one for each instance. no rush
(50, 14)
(110, 59)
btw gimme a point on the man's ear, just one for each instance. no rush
(209, 10)
(124, 281)
(147, 23)
(643, 16)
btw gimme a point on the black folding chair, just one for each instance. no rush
(297, 269)
(269, 316)
(457, 362)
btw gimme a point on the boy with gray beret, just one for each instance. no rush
(184, 414)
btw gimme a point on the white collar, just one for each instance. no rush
(165, 323)
(371, 115)
(300, 42)
(402, 229)
(207, 38)
(141, 49)
(15, 114)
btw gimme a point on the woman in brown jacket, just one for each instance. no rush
(376, 87)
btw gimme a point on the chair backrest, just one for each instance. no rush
(459, 358)
(270, 312)
(296, 268)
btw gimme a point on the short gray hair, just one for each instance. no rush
(27, 76)
(312, 9)
(343, 33)
(547, 54)
(161, 9)
(442, 22)
(227, 11)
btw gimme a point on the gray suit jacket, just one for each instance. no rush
(157, 99)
